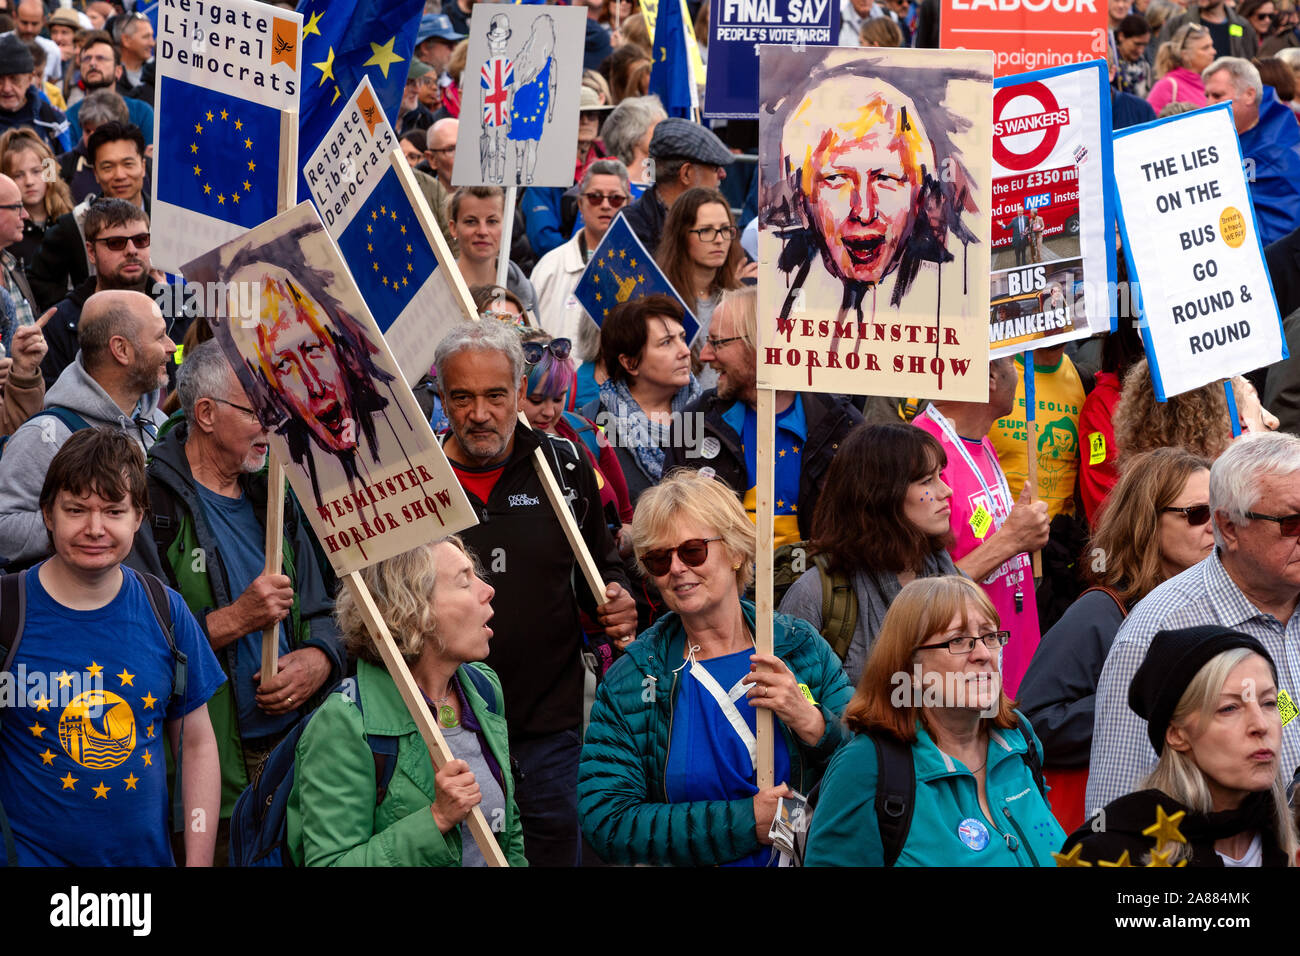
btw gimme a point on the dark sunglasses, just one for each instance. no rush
(693, 553)
(118, 243)
(1196, 515)
(560, 348)
(615, 200)
(1289, 525)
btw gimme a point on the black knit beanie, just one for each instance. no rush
(1172, 662)
(14, 56)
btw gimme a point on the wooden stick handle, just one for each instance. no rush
(764, 760)
(274, 556)
(439, 752)
(507, 234)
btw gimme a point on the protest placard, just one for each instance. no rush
(404, 270)
(362, 459)
(224, 78)
(874, 204)
(519, 120)
(1053, 213)
(1192, 247)
(737, 27)
(1026, 34)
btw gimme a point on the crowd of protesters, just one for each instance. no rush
(923, 659)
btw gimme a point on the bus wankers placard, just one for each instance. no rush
(1053, 216)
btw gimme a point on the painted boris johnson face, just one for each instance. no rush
(860, 174)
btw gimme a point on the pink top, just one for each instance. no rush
(1015, 575)
(1179, 85)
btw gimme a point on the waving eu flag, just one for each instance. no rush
(342, 41)
(670, 77)
(621, 270)
(387, 251)
(223, 149)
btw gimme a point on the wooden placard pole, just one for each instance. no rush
(419, 709)
(1031, 458)
(286, 199)
(765, 481)
(507, 234)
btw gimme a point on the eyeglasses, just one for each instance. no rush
(502, 315)
(1196, 515)
(709, 233)
(1289, 525)
(716, 344)
(443, 150)
(12, 205)
(560, 348)
(615, 200)
(243, 408)
(693, 553)
(118, 243)
(964, 645)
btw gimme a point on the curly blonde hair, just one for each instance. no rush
(1196, 421)
(404, 589)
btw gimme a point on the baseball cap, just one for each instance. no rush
(437, 26)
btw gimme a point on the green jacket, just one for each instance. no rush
(191, 558)
(622, 798)
(332, 818)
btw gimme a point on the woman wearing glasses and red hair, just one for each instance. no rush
(667, 773)
(930, 703)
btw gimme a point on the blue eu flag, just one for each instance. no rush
(221, 150)
(621, 270)
(387, 251)
(343, 41)
(670, 77)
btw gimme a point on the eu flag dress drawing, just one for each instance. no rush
(621, 270)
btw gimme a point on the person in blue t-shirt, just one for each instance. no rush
(83, 771)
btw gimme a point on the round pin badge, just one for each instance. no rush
(707, 472)
(973, 833)
(710, 447)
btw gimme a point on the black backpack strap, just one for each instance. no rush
(483, 686)
(382, 747)
(1030, 756)
(13, 614)
(895, 793)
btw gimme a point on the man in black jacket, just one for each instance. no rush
(810, 426)
(521, 544)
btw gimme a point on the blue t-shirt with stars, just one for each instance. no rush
(791, 432)
(83, 775)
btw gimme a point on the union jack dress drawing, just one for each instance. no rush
(494, 82)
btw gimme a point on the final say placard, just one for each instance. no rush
(1026, 34)
(874, 199)
(1191, 241)
(225, 74)
(1053, 211)
(360, 455)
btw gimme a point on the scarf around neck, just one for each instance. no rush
(635, 430)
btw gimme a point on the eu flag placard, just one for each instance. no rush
(222, 143)
(621, 270)
(386, 249)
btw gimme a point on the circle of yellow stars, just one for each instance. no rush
(625, 285)
(47, 758)
(376, 217)
(198, 170)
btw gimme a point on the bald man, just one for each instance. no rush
(114, 382)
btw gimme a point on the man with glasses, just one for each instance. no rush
(602, 192)
(13, 215)
(440, 150)
(114, 382)
(20, 105)
(1250, 583)
(100, 70)
(208, 495)
(535, 650)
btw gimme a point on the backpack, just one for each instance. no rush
(839, 600)
(13, 616)
(71, 419)
(259, 824)
(896, 791)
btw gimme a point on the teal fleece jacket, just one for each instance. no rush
(622, 798)
(947, 822)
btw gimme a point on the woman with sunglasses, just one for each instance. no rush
(931, 702)
(880, 522)
(1156, 524)
(667, 772)
(650, 384)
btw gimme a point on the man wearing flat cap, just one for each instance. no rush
(19, 104)
(1250, 584)
(685, 154)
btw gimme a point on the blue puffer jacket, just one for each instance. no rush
(622, 796)
(948, 827)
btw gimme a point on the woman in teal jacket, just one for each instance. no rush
(438, 611)
(932, 683)
(667, 771)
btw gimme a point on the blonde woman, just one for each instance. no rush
(30, 164)
(1179, 64)
(1217, 796)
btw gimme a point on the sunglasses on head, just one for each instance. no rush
(560, 348)
(693, 553)
(1196, 515)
